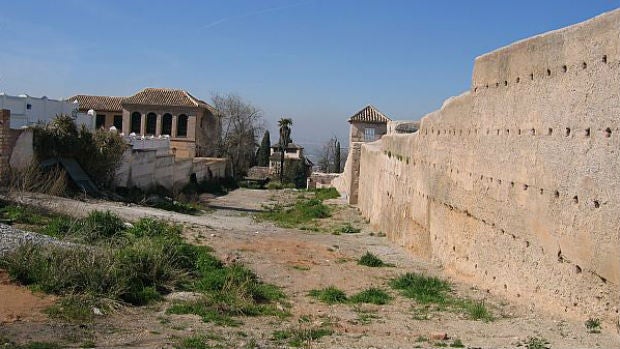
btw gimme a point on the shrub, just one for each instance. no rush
(593, 325)
(371, 295)
(98, 153)
(423, 289)
(329, 295)
(301, 336)
(274, 185)
(149, 227)
(347, 228)
(370, 260)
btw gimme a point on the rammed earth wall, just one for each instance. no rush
(515, 184)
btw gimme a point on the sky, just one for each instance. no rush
(315, 61)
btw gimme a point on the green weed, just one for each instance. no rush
(301, 336)
(370, 260)
(593, 325)
(329, 295)
(347, 229)
(326, 193)
(427, 290)
(299, 214)
(371, 295)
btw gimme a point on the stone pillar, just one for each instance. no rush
(158, 125)
(174, 127)
(5, 152)
(143, 124)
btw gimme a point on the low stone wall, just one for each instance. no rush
(319, 180)
(146, 169)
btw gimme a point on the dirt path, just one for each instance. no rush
(300, 261)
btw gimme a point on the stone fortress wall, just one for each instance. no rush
(514, 186)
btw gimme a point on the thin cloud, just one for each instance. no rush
(252, 14)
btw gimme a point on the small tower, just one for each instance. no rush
(367, 125)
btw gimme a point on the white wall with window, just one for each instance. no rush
(28, 111)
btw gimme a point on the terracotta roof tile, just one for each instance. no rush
(166, 97)
(104, 103)
(369, 114)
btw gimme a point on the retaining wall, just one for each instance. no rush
(513, 185)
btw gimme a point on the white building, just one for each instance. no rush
(28, 111)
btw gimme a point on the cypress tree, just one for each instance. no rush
(337, 157)
(262, 157)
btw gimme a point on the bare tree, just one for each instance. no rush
(241, 125)
(331, 158)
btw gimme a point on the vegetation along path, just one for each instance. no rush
(337, 285)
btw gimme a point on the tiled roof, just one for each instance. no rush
(369, 114)
(104, 103)
(166, 97)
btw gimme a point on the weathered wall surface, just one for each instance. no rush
(513, 185)
(146, 169)
(22, 154)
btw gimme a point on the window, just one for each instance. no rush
(166, 124)
(182, 126)
(369, 135)
(100, 122)
(28, 106)
(151, 123)
(136, 121)
(118, 122)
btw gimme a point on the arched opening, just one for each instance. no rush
(136, 120)
(182, 125)
(166, 124)
(151, 123)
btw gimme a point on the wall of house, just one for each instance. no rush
(184, 147)
(28, 111)
(356, 133)
(513, 186)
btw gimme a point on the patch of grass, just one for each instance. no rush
(365, 317)
(329, 295)
(76, 308)
(457, 343)
(476, 310)
(347, 228)
(593, 325)
(301, 336)
(20, 214)
(137, 265)
(193, 342)
(370, 260)
(534, 343)
(176, 206)
(301, 213)
(423, 289)
(326, 193)
(230, 291)
(427, 290)
(6, 343)
(88, 344)
(371, 295)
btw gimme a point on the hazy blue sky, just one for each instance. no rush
(316, 61)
